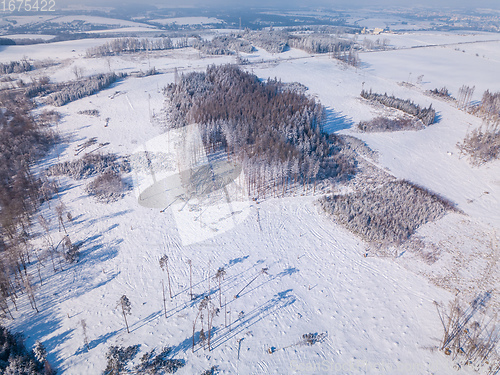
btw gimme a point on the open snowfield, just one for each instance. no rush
(376, 313)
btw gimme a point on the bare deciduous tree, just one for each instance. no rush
(164, 266)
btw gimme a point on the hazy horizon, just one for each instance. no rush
(291, 4)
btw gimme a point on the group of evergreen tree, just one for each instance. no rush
(426, 115)
(274, 41)
(223, 45)
(122, 45)
(385, 124)
(81, 88)
(15, 359)
(320, 43)
(275, 133)
(388, 213)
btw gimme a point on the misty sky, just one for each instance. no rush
(287, 4)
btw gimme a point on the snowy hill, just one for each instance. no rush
(373, 315)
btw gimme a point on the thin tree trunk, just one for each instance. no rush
(169, 285)
(125, 317)
(164, 301)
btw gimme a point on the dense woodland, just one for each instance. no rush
(426, 115)
(389, 213)
(15, 359)
(275, 133)
(23, 139)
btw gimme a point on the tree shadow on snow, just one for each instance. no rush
(336, 121)
(96, 342)
(437, 118)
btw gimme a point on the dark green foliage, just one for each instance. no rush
(15, 358)
(426, 115)
(160, 363)
(118, 357)
(7, 42)
(389, 213)
(214, 370)
(151, 363)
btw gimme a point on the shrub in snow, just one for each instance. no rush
(89, 112)
(107, 187)
(470, 336)
(389, 213)
(313, 338)
(214, 370)
(442, 92)
(88, 166)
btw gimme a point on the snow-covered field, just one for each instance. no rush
(377, 314)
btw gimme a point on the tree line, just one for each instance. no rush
(275, 133)
(223, 45)
(121, 45)
(15, 67)
(81, 88)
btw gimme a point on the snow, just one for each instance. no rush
(29, 36)
(378, 313)
(434, 64)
